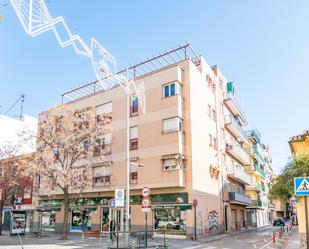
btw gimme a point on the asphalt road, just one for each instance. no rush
(260, 238)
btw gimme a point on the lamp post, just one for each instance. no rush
(127, 216)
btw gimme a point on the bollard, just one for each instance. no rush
(165, 244)
(109, 244)
(133, 244)
(157, 245)
(274, 237)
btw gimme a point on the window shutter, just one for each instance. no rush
(102, 171)
(133, 132)
(170, 124)
(105, 108)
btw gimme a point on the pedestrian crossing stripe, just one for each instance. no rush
(301, 186)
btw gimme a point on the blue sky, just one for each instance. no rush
(262, 45)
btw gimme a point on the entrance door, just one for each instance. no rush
(105, 219)
(242, 218)
(118, 216)
(234, 219)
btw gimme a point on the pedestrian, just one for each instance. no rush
(112, 228)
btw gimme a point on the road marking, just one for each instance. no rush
(202, 247)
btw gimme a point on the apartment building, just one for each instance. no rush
(260, 212)
(188, 146)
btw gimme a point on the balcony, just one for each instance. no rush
(238, 198)
(232, 103)
(173, 177)
(236, 173)
(255, 186)
(259, 204)
(235, 128)
(260, 171)
(258, 153)
(238, 152)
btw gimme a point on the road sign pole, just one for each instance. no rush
(194, 222)
(146, 230)
(306, 218)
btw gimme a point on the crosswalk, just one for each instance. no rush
(203, 246)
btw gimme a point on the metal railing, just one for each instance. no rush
(156, 63)
(230, 120)
(239, 173)
(137, 239)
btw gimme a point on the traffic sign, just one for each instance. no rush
(301, 186)
(146, 202)
(146, 209)
(145, 192)
(111, 203)
(195, 202)
(119, 197)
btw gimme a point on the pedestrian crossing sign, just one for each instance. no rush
(301, 186)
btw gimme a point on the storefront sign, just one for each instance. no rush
(119, 198)
(145, 192)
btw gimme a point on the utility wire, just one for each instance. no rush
(21, 97)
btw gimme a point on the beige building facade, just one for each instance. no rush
(188, 145)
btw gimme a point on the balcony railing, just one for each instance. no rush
(260, 171)
(233, 104)
(238, 152)
(259, 203)
(236, 173)
(255, 186)
(233, 126)
(238, 198)
(258, 153)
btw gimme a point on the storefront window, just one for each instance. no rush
(170, 218)
(105, 219)
(81, 220)
(49, 220)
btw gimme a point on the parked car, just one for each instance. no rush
(278, 222)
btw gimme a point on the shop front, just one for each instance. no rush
(171, 218)
(81, 219)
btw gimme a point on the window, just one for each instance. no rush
(169, 164)
(214, 115)
(134, 138)
(105, 108)
(100, 181)
(171, 89)
(172, 124)
(215, 144)
(103, 113)
(133, 177)
(209, 111)
(103, 145)
(210, 140)
(222, 134)
(134, 107)
(101, 176)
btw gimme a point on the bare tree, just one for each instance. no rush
(69, 141)
(13, 174)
